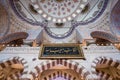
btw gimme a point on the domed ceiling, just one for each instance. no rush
(4, 20)
(115, 19)
(59, 10)
(55, 15)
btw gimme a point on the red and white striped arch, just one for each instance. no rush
(14, 60)
(59, 73)
(104, 60)
(51, 63)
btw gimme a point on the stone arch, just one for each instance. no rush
(105, 36)
(12, 39)
(14, 60)
(49, 64)
(4, 19)
(60, 73)
(107, 62)
(115, 20)
(13, 36)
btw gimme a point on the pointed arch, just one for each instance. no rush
(49, 64)
(14, 60)
(104, 62)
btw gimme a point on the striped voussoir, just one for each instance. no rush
(104, 60)
(1, 74)
(14, 60)
(59, 73)
(67, 63)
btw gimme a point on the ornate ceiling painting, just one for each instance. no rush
(95, 10)
(56, 14)
(4, 20)
(23, 10)
(59, 10)
(115, 19)
(59, 30)
(61, 35)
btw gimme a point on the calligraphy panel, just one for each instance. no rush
(61, 51)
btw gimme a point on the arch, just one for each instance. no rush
(106, 62)
(14, 60)
(105, 3)
(104, 35)
(59, 73)
(115, 19)
(13, 36)
(49, 64)
(13, 4)
(4, 19)
(62, 36)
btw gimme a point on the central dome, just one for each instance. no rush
(58, 10)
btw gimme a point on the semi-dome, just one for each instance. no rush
(115, 19)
